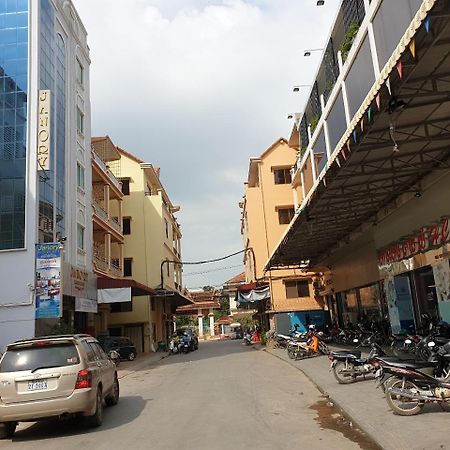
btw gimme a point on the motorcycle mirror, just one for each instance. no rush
(431, 344)
(408, 341)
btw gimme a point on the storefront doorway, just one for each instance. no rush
(404, 303)
(425, 290)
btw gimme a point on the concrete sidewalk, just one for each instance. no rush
(143, 361)
(367, 408)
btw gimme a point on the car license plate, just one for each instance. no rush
(37, 385)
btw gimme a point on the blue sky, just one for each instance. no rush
(198, 87)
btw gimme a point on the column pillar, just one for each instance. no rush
(200, 323)
(211, 322)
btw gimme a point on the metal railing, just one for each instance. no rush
(105, 169)
(99, 210)
(115, 224)
(115, 268)
(101, 263)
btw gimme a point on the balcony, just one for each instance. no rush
(115, 269)
(99, 211)
(100, 163)
(100, 263)
(115, 224)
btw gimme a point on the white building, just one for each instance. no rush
(43, 47)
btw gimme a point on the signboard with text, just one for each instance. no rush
(43, 141)
(427, 238)
(48, 280)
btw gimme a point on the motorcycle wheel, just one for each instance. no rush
(291, 352)
(401, 405)
(341, 372)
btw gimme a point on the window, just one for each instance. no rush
(166, 224)
(126, 225)
(80, 176)
(80, 236)
(125, 186)
(285, 215)
(80, 121)
(127, 272)
(297, 288)
(282, 176)
(79, 72)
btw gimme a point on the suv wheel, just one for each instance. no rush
(7, 430)
(113, 398)
(131, 356)
(97, 418)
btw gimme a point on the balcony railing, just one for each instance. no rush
(101, 263)
(115, 224)
(99, 211)
(115, 268)
(105, 169)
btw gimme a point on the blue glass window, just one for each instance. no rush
(13, 121)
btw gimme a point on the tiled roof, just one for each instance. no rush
(236, 279)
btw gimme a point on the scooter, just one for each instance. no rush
(312, 347)
(412, 384)
(347, 366)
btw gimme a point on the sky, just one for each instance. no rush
(198, 87)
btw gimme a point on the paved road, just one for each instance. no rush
(223, 396)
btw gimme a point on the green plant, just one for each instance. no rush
(263, 338)
(314, 122)
(328, 86)
(349, 37)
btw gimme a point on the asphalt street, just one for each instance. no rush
(223, 396)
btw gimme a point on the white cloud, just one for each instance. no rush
(197, 87)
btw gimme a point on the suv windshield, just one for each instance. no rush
(33, 358)
(183, 332)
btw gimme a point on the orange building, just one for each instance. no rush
(267, 209)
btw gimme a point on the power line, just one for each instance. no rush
(207, 261)
(212, 270)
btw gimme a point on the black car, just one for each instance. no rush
(121, 344)
(192, 337)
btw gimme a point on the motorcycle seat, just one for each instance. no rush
(407, 363)
(346, 354)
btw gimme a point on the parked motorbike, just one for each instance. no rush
(413, 384)
(312, 347)
(347, 366)
(179, 344)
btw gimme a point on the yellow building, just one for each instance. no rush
(151, 255)
(267, 209)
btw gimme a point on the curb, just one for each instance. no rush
(371, 433)
(145, 365)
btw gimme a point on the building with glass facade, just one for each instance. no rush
(43, 47)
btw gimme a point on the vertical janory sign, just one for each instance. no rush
(48, 280)
(43, 151)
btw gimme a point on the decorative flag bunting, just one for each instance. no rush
(388, 85)
(324, 181)
(361, 124)
(348, 144)
(378, 100)
(412, 47)
(343, 154)
(337, 161)
(427, 24)
(354, 136)
(400, 69)
(369, 114)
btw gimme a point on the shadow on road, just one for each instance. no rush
(126, 411)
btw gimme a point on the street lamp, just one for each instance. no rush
(309, 51)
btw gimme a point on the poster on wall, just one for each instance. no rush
(391, 298)
(48, 280)
(441, 273)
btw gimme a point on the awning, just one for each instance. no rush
(176, 298)
(399, 135)
(252, 296)
(137, 289)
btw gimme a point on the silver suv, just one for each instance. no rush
(55, 376)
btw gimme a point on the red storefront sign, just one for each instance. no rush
(427, 238)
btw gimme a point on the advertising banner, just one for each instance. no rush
(48, 280)
(43, 151)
